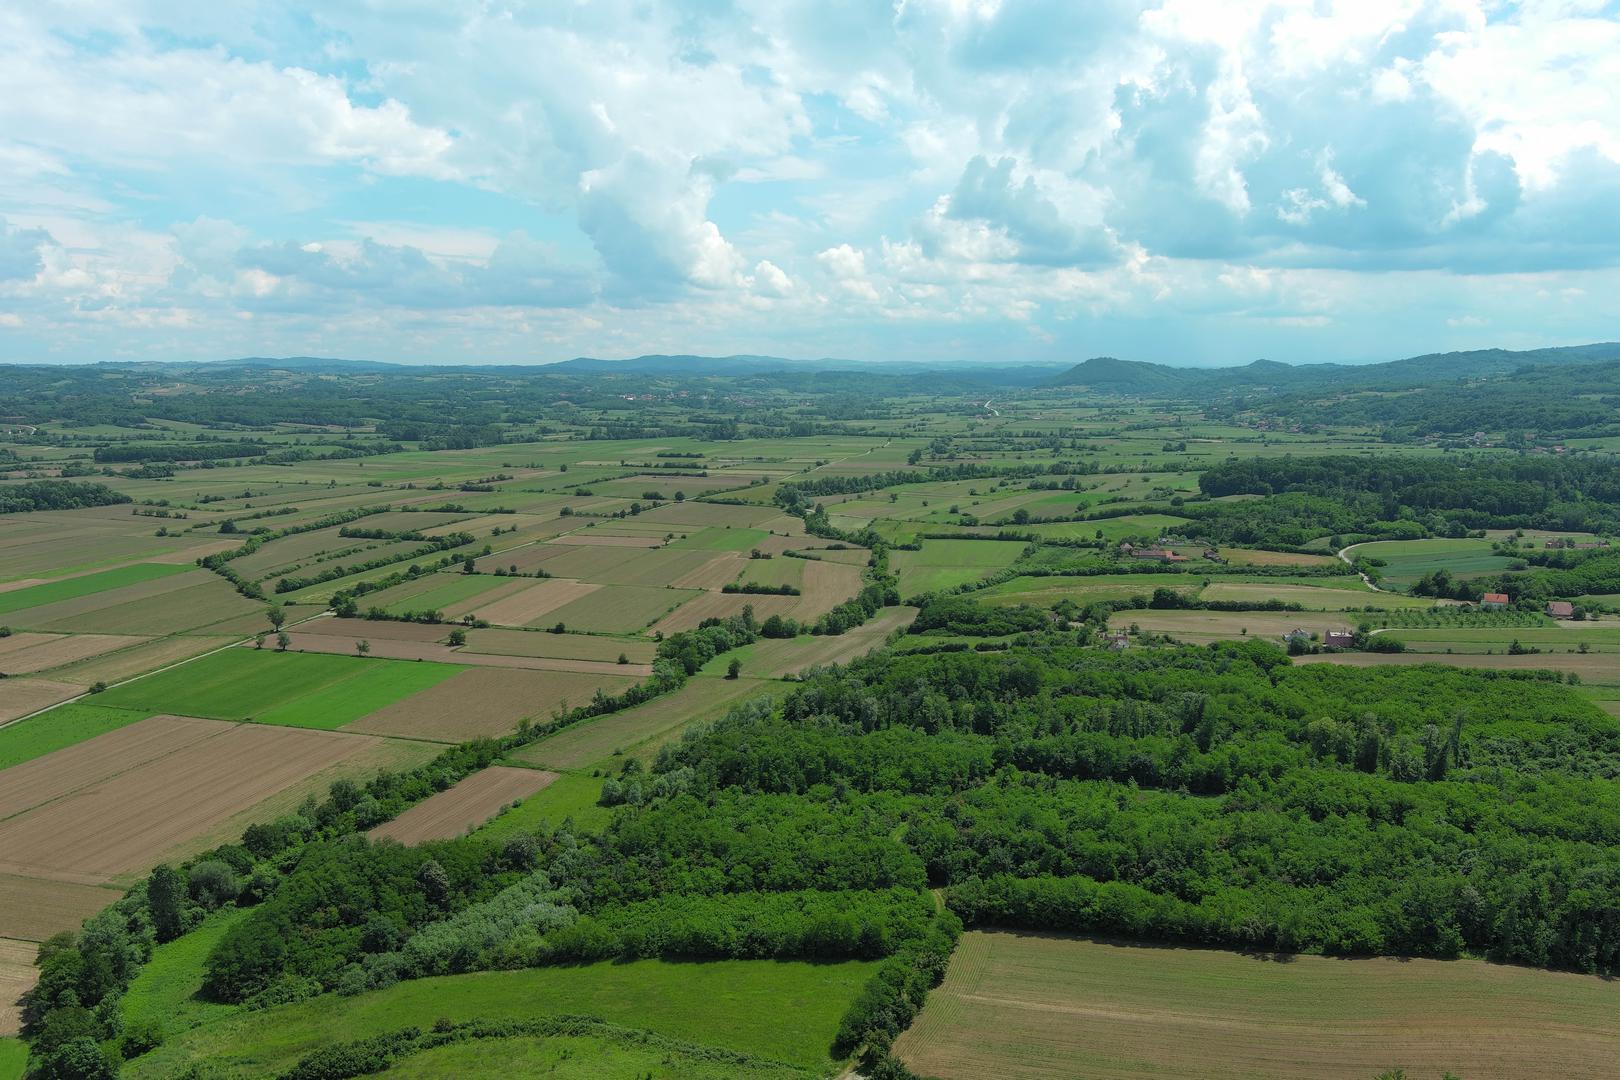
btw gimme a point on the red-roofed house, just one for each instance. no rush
(1560, 609)
(1494, 600)
(1339, 639)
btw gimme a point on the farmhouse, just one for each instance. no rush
(1339, 639)
(1297, 636)
(1494, 600)
(1116, 641)
(1560, 609)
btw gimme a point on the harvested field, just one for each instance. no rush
(93, 811)
(525, 605)
(17, 977)
(157, 653)
(485, 701)
(1591, 667)
(590, 741)
(24, 696)
(618, 609)
(33, 908)
(57, 650)
(658, 567)
(465, 806)
(1036, 1006)
(563, 646)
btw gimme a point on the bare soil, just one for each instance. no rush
(463, 807)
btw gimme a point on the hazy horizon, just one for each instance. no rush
(1190, 183)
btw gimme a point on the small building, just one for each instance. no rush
(1116, 641)
(1213, 555)
(1560, 609)
(1339, 639)
(1494, 600)
(1297, 636)
(1556, 542)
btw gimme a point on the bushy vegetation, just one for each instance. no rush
(56, 495)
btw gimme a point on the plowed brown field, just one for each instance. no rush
(469, 803)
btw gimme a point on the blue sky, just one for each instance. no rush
(1185, 181)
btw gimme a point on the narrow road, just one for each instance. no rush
(1344, 553)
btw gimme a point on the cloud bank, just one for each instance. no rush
(1188, 180)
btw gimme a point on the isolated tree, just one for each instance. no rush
(623, 658)
(734, 668)
(435, 883)
(276, 616)
(457, 638)
(258, 640)
(166, 897)
(362, 647)
(282, 641)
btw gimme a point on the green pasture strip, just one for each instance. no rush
(72, 588)
(59, 728)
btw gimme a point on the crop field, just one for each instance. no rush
(485, 701)
(1037, 1006)
(591, 741)
(608, 566)
(34, 908)
(500, 642)
(1312, 597)
(721, 538)
(1046, 591)
(193, 601)
(59, 727)
(86, 585)
(454, 594)
(617, 609)
(1408, 560)
(293, 689)
(693, 514)
(1590, 667)
(463, 807)
(116, 803)
(1201, 627)
(735, 1004)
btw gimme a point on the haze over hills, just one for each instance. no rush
(1105, 374)
(1108, 374)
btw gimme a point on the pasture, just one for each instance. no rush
(86, 585)
(735, 1004)
(945, 564)
(1038, 1006)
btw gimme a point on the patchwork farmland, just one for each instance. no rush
(384, 726)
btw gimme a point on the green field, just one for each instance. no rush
(60, 727)
(165, 991)
(1407, 560)
(72, 588)
(320, 690)
(721, 539)
(945, 564)
(579, 1058)
(13, 1058)
(447, 589)
(736, 1004)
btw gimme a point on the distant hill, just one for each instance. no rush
(1134, 378)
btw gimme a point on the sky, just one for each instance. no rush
(1181, 181)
